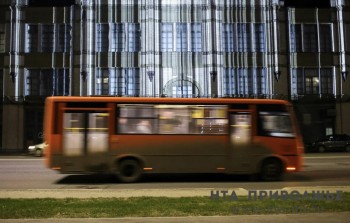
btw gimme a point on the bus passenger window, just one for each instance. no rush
(173, 120)
(136, 119)
(209, 120)
(144, 126)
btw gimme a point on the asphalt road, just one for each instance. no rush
(24, 177)
(24, 172)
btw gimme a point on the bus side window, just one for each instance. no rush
(209, 120)
(174, 120)
(136, 119)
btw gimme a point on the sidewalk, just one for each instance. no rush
(125, 193)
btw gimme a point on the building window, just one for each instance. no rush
(245, 81)
(118, 81)
(230, 82)
(196, 37)
(102, 37)
(45, 82)
(312, 81)
(259, 30)
(113, 37)
(166, 37)
(228, 37)
(47, 38)
(134, 37)
(2, 41)
(31, 38)
(242, 80)
(244, 37)
(304, 38)
(133, 81)
(63, 38)
(62, 83)
(310, 38)
(241, 33)
(182, 89)
(326, 80)
(326, 38)
(39, 82)
(181, 37)
(250, 80)
(295, 38)
(260, 81)
(117, 37)
(102, 81)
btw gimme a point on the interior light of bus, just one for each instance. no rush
(291, 168)
(148, 168)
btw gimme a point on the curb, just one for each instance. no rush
(125, 193)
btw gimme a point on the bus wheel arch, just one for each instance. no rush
(129, 169)
(271, 169)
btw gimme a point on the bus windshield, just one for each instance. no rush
(276, 124)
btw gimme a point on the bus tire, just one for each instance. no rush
(271, 170)
(129, 171)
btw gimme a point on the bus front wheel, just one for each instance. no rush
(271, 170)
(129, 171)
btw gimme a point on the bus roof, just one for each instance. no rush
(165, 100)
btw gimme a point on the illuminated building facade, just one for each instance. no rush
(288, 49)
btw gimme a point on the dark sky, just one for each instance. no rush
(45, 3)
(307, 3)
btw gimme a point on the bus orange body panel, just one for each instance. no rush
(130, 136)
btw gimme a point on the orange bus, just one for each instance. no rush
(130, 136)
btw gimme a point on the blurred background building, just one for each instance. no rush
(297, 50)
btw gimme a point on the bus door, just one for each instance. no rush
(240, 140)
(85, 140)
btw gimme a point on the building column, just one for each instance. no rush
(12, 115)
(343, 105)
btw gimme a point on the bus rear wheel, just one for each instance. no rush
(271, 170)
(129, 171)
